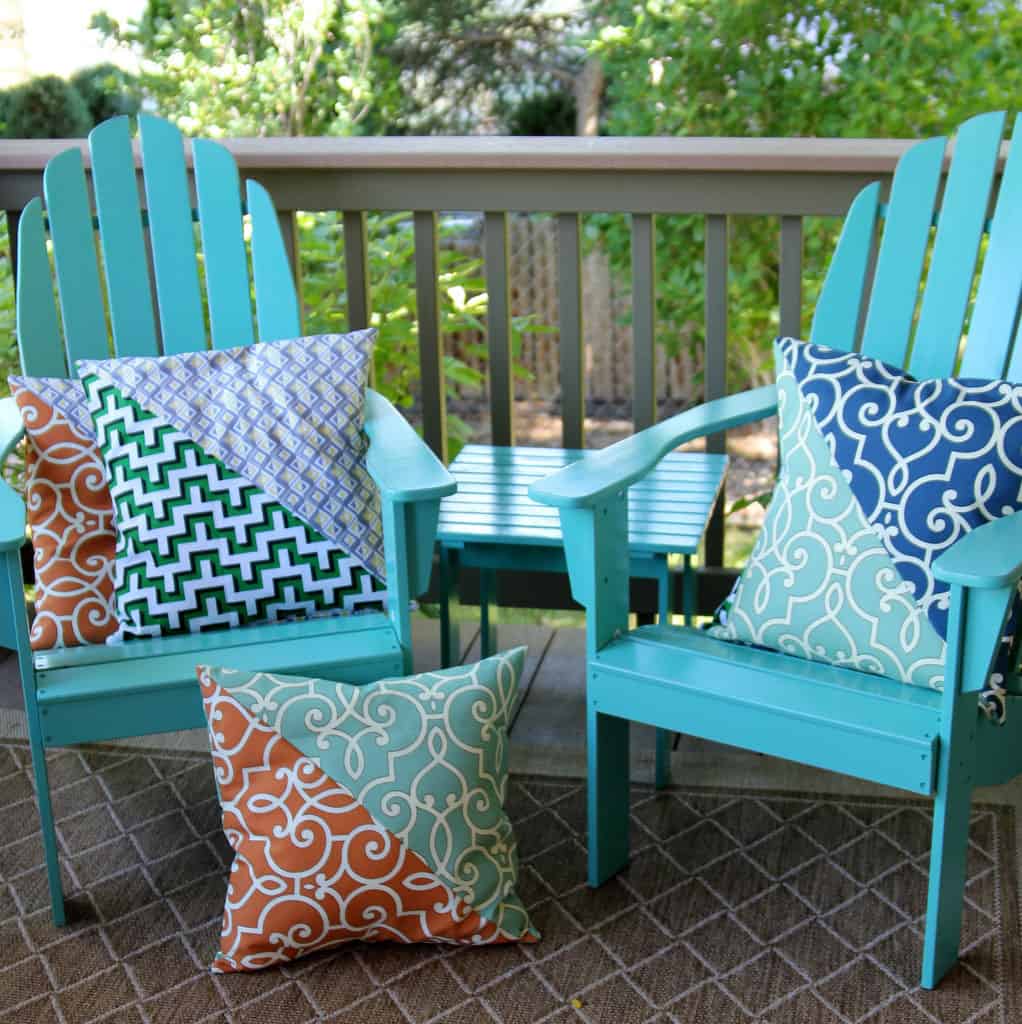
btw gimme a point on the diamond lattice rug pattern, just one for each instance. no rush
(776, 907)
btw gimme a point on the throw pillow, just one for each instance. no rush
(370, 813)
(880, 473)
(69, 513)
(239, 483)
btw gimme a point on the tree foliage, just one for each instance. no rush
(464, 64)
(260, 68)
(898, 68)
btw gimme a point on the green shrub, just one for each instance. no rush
(47, 107)
(107, 90)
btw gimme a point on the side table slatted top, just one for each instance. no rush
(668, 510)
(491, 523)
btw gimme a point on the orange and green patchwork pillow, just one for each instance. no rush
(371, 813)
(70, 514)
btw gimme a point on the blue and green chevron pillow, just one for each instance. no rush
(880, 474)
(239, 484)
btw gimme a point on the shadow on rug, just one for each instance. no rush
(737, 907)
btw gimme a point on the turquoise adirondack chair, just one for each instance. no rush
(679, 678)
(86, 694)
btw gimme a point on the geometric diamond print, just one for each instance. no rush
(148, 919)
(200, 547)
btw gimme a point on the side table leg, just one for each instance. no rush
(664, 737)
(487, 631)
(688, 590)
(450, 647)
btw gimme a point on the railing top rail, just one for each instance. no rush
(482, 153)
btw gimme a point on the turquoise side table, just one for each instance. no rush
(493, 524)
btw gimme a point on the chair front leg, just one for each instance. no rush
(14, 598)
(948, 852)
(597, 556)
(409, 532)
(975, 624)
(608, 788)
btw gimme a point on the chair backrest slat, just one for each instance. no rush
(996, 312)
(837, 310)
(39, 341)
(902, 252)
(276, 297)
(223, 245)
(123, 244)
(172, 236)
(959, 232)
(74, 254)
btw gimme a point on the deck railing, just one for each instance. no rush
(716, 178)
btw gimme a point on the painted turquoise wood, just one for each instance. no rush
(276, 301)
(169, 650)
(39, 342)
(1000, 284)
(997, 749)
(862, 725)
(624, 463)
(403, 468)
(990, 556)
(836, 317)
(892, 304)
(12, 507)
(120, 225)
(172, 236)
(225, 262)
(74, 257)
(106, 691)
(960, 224)
(14, 604)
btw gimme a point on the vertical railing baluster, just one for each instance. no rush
(356, 269)
(643, 321)
(498, 328)
(790, 283)
(715, 371)
(431, 356)
(13, 220)
(288, 223)
(571, 351)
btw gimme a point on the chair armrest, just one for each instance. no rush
(620, 465)
(985, 558)
(12, 508)
(399, 460)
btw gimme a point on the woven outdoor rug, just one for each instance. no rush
(791, 908)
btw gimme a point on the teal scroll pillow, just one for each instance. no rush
(365, 813)
(880, 474)
(239, 484)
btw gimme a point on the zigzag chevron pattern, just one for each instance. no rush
(199, 546)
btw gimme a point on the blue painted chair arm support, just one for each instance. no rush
(619, 466)
(399, 460)
(12, 508)
(985, 558)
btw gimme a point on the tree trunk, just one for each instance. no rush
(588, 91)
